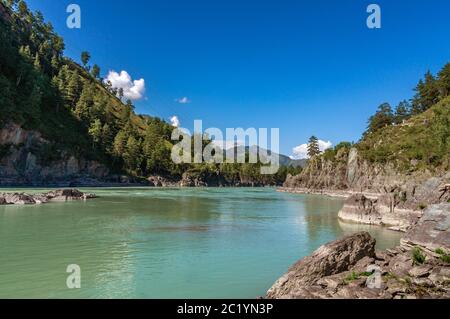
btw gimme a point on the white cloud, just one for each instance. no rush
(132, 89)
(175, 121)
(301, 151)
(183, 100)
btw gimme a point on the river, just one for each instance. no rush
(166, 243)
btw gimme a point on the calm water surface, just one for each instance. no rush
(165, 243)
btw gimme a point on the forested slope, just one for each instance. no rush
(59, 119)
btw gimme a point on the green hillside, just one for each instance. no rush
(415, 135)
(421, 142)
(80, 114)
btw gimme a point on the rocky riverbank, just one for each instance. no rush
(52, 196)
(29, 160)
(351, 268)
(375, 195)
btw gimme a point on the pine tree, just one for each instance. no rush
(402, 112)
(107, 137)
(313, 147)
(85, 57)
(26, 52)
(120, 143)
(132, 155)
(444, 81)
(23, 9)
(382, 118)
(73, 88)
(96, 131)
(95, 71)
(37, 62)
(55, 64)
(427, 94)
(84, 104)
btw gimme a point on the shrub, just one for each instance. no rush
(351, 277)
(446, 258)
(443, 255)
(355, 276)
(418, 256)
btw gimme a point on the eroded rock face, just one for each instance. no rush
(386, 210)
(330, 259)
(358, 208)
(22, 164)
(396, 200)
(433, 229)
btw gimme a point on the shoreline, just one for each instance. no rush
(345, 194)
(367, 208)
(418, 268)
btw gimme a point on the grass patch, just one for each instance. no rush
(445, 258)
(443, 255)
(355, 276)
(418, 256)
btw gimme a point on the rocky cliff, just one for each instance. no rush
(23, 162)
(377, 194)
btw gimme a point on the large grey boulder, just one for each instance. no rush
(332, 258)
(433, 229)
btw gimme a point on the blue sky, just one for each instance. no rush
(306, 67)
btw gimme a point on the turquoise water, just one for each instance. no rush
(165, 243)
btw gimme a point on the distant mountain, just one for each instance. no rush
(284, 160)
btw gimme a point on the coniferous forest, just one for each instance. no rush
(80, 113)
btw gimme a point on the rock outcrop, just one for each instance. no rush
(351, 269)
(56, 195)
(329, 259)
(23, 161)
(382, 211)
(160, 181)
(432, 231)
(377, 195)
